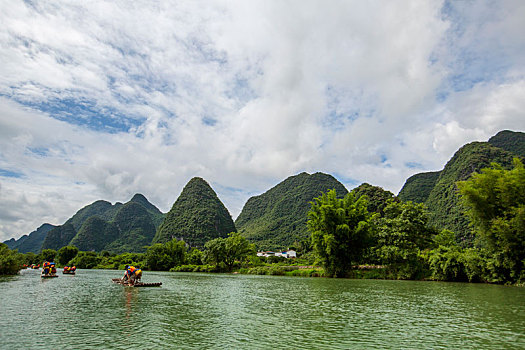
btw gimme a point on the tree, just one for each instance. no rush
(228, 250)
(495, 203)
(65, 254)
(339, 229)
(30, 258)
(48, 255)
(164, 256)
(194, 257)
(237, 248)
(402, 233)
(214, 251)
(86, 260)
(9, 260)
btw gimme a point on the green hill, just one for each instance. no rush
(511, 141)
(438, 189)
(95, 234)
(32, 242)
(196, 217)
(59, 236)
(417, 188)
(156, 215)
(102, 226)
(135, 226)
(277, 218)
(98, 208)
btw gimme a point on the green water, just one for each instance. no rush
(210, 311)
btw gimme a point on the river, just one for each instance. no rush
(222, 311)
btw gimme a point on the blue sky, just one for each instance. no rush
(105, 99)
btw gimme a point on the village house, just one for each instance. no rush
(286, 254)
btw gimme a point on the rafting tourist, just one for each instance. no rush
(49, 269)
(132, 275)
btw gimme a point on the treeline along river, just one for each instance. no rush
(221, 311)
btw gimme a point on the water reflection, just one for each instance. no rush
(255, 312)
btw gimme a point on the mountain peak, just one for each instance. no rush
(277, 218)
(196, 217)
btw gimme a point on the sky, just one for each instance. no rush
(105, 99)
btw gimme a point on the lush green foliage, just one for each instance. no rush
(95, 234)
(136, 229)
(377, 197)
(59, 235)
(495, 199)
(48, 255)
(196, 217)
(194, 257)
(442, 200)
(401, 234)
(65, 254)
(226, 251)
(417, 188)
(119, 262)
(164, 256)
(340, 229)
(277, 218)
(9, 260)
(86, 260)
(511, 141)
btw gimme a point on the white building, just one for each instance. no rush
(286, 254)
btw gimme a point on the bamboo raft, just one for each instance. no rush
(138, 284)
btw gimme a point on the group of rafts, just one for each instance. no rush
(49, 270)
(131, 277)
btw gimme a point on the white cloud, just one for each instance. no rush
(123, 98)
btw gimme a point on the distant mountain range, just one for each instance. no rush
(273, 220)
(31, 242)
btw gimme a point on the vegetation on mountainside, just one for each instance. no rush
(95, 234)
(377, 197)
(277, 218)
(98, 208)
(439, 192)
(136, 229)
(32, 242)
(405, 243)
(399, 237)
(511, 141)
(128, 227)
(196, 217)
(443, 201)
(57, 237)
(417, 188)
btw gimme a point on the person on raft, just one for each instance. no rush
(49, 269)
(132, 275)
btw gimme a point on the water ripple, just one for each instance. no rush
(201, 311)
